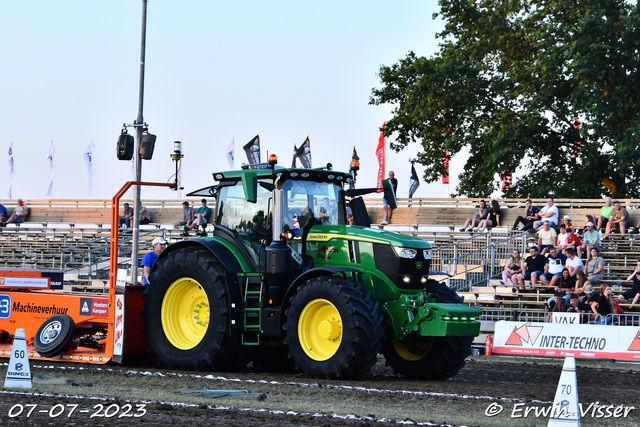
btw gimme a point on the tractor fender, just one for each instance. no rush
(223, 254)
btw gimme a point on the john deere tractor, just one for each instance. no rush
(284, 277)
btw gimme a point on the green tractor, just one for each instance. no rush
(284, 278)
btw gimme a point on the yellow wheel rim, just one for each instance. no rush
(412, 351)
(185, 313)
(320, 330)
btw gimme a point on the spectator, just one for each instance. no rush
(562, 239)
(553, 268)
(573, 242)
(601, 305)
(566, 221)
(326, 211)
(549, 212)
(588, 219)
(530, 215)
(547, 238)
(619, 219)
(385, 204)
(535, 264)
(591, 239)
(593, 272)
(577, 306)
(566, 283)
(575, 267)
(4, 215)
(19, 215)
(585, 292)
(187, 218)
(150, 258)
(632, 294)
(513, 268)
(557, 304)
(480, 215)
(605, 214)
(201, 218)
(350, 219)
(125, 218)
(493, 217)
(145, 218)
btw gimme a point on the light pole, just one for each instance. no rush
(139, 127)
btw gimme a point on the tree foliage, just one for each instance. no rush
(508, 83)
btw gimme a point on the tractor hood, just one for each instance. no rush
(324, 233)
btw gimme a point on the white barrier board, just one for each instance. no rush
(567, 340)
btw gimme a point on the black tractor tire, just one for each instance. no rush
(195, 272)
(357, 341)
(444, 357)
(55, 335)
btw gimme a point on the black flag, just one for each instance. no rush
(353, 168)
(414, 182)
(304, 154)
(252, 148)
(295, 154)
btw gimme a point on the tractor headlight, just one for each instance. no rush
(405, 252)
(426, 253)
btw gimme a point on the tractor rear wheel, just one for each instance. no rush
(187, 313)
(436, 358)
(333, 329)
(55, 335)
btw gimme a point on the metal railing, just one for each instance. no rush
(92, 257)
(495, 314)
(473, 261)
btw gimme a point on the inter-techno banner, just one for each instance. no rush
(583, 341)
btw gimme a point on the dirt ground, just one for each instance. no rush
(482, 376)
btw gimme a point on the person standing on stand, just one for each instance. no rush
(385, 204)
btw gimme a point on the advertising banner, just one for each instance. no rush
(567, 340)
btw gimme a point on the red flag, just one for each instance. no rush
(380, 154)
(445, 179)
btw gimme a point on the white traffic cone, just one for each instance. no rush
(18, 374)
(566, 411)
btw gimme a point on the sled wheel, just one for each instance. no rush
(333, 329)
(435, 358)
(187, 312)
(55, 335)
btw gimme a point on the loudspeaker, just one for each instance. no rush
(124, 150)
(147, 145)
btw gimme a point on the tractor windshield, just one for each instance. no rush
(320, 198)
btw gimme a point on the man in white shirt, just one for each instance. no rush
(549, 212)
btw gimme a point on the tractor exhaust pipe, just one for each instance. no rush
(278, 214)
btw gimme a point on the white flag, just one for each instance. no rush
(230, 153)
(10, 163)
(50, 163)
(88, 160)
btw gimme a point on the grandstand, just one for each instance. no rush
(74, 236)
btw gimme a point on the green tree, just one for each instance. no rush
(509, 81)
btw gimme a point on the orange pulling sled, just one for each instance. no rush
(71, 326)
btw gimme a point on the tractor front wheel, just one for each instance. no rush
(435, 358)
(333, 329)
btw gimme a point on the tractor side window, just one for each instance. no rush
(248, 220)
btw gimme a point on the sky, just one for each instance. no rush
(215, 71)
